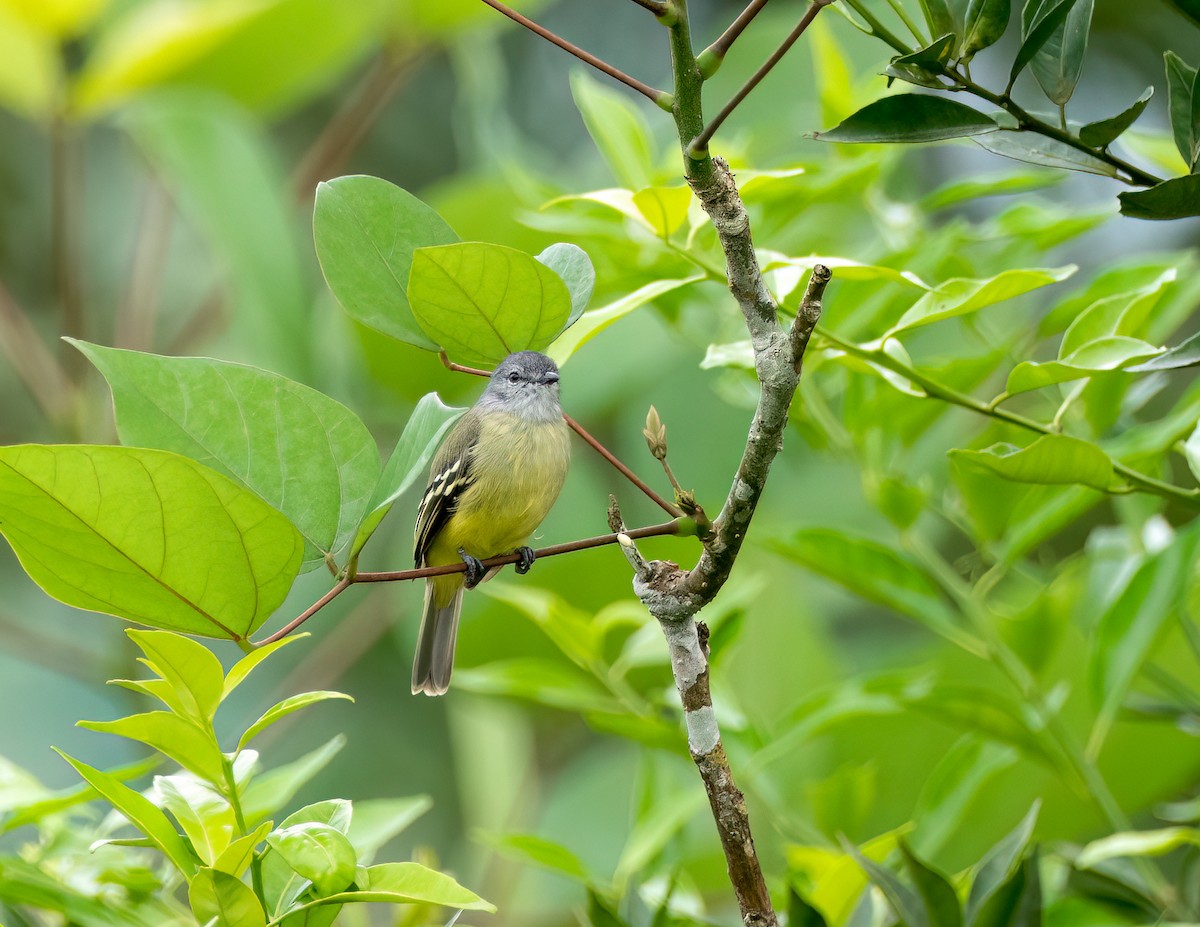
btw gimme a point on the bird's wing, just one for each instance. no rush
(449, 477)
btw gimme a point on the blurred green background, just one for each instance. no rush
(157, 167)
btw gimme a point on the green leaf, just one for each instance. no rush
(246, 665)
(1037, 149)
(272, 790)
(302, 452)
(141, 533)
(284, 708)
(1177, 198)
(574, 267)
(482, 302)
(1186, 354)
(999, 866)
(235, 859)
(409, 461)
(365, 231)
(190, 668)
(1104, 132)
(984, 22)
(221, 170)
(942, 908)
(316, 852)
(1106, 354)
(192, 747)
(1183, 103)
(665, 819)
(1191, 451)
(378, 820)
(1044, 26)
(1059, 60)
(572, 630)
(961, 296)
(1051, 459)
(903, 900)
(1122, 314)
(800, 912)
(1189, 8)
(140, 812)
(282, 884)
(924, 66)
(976, 710)
(908, 118)
(1140, 843)
(665, 209)
(219, 898)
(938, 16)
(953, 784)
(542, 681)
(617, 128)
(1128, 629)
(410, 883)
(1002, 184)
(591, 323)
(205, 816)
(541, 852)
(878, 574)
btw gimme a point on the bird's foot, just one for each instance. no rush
(475, 569)
(527, 557)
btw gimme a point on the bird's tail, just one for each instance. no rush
(435, 642)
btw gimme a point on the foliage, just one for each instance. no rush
(973, 586)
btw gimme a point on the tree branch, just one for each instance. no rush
(701, 141)
(657, 7)
(710, 59)
(659, 97)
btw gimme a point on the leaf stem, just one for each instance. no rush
(700, 142)
(658, 97)
(235, 802)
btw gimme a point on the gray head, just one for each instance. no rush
(525, 384)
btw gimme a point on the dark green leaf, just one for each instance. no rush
(1177, 198)
(938, 17)
(1059, 61)
(1037, 149)
(600, 912)
(910, 117)
(481, 302)
(1104, 132)
(1015, 903)
(1186, 354)
(365, 231)
(302, 452)
(983, 24)
(1051, 459)
(801, 913)
(140, 812)
(218, 897)
(572, 264)
(999, 866)
(1189, 8)
(141, 533)
(924, 66)
(904, 901)
(1035, 38)
(1183, 103)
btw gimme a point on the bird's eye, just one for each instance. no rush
(514, 377)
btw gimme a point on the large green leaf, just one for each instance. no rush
(961, 296)
(877, 573)
(1128, 629)
(482, 302)
(617, 128)
(365, 231)
(1178, 198)
(1051, 459)
(1036, 37)
(984, 22)
(938, 16)
(910, 117)
(191, 669)
(268, 55)
(219, 167)
(1059, 60)
(203, 813)
(146, 535)
(1103, 355)
(192, 747)
(304, 453)
(408, 883)
(220, 899)
(572, 264)
(140, 812)
(1048, 152)
(1104, 132)
(316, 852)
(1183, 103)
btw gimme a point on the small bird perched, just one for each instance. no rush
(492, 482)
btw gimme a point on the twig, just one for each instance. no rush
(599, 448)
(350, 124)
(134, 326)
(33, 362)
(657, 96)
(710, 59)
(809, 314)
(393, 576)
(700, 143)
(657, 7)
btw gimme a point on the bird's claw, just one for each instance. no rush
(475, 569)
(527, 557)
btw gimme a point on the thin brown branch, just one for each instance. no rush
(657, 7)
(657, 96)
(700, 143)
(459, 368)
(353, 120)
(33, 362)
(721, 46)
(393, 576)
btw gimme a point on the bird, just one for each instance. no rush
(492, 482)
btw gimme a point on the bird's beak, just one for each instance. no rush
(551, 377)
